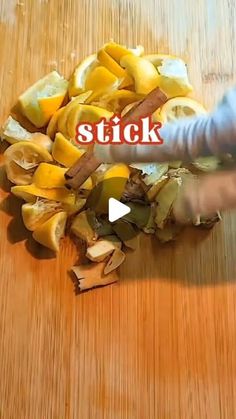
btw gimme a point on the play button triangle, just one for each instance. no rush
(117, 210)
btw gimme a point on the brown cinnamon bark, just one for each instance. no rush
(153, 101)
(82, 161)
(82, 171)
(87, 164)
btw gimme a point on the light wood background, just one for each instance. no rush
(161, 344)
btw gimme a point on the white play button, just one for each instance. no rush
(117, 210)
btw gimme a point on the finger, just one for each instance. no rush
(207, 195)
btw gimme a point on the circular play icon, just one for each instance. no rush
(125, 218)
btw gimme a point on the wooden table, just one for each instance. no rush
(162, 343)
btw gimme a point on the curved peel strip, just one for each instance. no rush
(143, 72)
(52, 127)
(63, 117)
(85, 113)
(64, 152)
(30, 192)
(100, 76)
(115, 261)
(107, 61)
(118, 100)
(81, 72)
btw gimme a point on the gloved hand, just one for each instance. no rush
(185, 140)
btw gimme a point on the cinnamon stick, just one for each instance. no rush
(82, 171)
(82, 161)
(153, 101)
(87, 164)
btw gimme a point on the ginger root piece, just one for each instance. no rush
(115, 261)
(101, 249)
(92, 275)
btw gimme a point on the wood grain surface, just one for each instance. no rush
(161, 344)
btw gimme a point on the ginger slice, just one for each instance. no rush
(115, 261)
(92, 275)
(101, 249)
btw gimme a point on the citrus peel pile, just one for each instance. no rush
(111, 81)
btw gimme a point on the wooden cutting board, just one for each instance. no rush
(162, 342)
